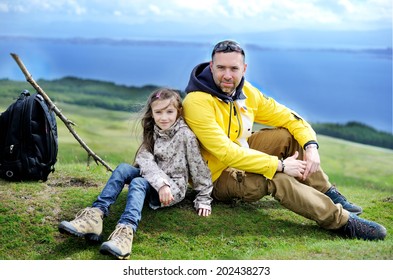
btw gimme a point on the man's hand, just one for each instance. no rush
(293, 166)
(204, 212)
(311, 156)
(165, 195)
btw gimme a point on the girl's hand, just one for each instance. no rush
(204, 212)
(165, 195)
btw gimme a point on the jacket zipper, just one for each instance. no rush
(230, 118)
(232, 104)
(238, 120)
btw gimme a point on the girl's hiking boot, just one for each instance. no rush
(119, 243)
(363, 229)
(337, 197)
(87, 223)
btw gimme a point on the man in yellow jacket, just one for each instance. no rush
(221, 107)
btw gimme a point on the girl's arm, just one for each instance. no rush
(200, 174)
(150, 170)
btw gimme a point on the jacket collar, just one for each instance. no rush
(170, 132)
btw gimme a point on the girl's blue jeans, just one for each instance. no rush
(138, 190)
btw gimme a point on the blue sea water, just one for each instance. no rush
(322, 85)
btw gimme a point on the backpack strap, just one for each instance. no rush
(52, 141)
(15, 117)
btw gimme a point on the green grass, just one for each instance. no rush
(30, 212)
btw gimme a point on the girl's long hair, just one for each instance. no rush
(147, 120)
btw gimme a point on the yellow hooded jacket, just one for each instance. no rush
(220, 127)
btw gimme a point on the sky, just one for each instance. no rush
(363, 24)
(154, 18)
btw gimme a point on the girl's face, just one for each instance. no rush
(164, 113)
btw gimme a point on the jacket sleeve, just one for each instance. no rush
(150, 170)
(272, 113)
(199, 172)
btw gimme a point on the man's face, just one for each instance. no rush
(228, 69)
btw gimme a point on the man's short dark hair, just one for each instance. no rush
(227, 46)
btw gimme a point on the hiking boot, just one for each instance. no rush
(87, 224)
(119, 243)
(337, 197)
(363, 229)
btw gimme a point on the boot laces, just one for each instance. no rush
(120, 233)
(336, 191)
(85, 215)
(360, 228)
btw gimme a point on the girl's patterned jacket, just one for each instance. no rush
(176, 158)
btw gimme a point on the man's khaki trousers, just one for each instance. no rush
(305, 198)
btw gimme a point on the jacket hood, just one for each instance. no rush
(201, 79)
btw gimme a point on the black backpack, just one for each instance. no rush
(28, 139)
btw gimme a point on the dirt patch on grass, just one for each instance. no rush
(64, 182)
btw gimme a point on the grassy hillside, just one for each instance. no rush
(90, 93)
(30, 212)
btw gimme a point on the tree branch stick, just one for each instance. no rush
(53, 107)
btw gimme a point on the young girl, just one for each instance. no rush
(168, 154)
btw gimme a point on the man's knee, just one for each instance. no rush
(280, 185)
(274, 141)
(235, 184)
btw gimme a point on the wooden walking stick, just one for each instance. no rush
(53, 107)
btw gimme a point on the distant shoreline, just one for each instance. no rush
(385, 50)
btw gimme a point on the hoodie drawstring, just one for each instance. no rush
(230, 118)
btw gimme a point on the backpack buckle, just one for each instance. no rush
(9, 173)
(25, 93)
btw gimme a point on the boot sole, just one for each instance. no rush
(89, 237)
(106, 250)
(354, 211)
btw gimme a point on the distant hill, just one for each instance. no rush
(356, 132)
(110, 96)
(83, 92)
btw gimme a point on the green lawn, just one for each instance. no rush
(30, 212)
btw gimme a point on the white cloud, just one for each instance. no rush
(117, 13)
(349, 7)
(155, 9)
(308, 13)
(4, 8)
(232, 15)
(201, 6)
(46, 7)
(76, 8)
(371, 10)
